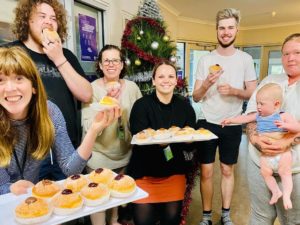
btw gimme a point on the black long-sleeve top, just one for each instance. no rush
(149, 160)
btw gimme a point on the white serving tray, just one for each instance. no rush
(172, 139)
(9, 202)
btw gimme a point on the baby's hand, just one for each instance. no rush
(225, 122)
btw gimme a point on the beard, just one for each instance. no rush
(226, 45)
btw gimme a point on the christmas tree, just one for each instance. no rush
(145, 42)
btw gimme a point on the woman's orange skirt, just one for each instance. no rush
(166, 189)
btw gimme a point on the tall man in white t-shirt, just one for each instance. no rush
(222, 95)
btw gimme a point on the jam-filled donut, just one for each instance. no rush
(32, 210)
(122, 186)
(67, 202)
(101, 175)
(95, 194)
(75, 182)
(45, 189)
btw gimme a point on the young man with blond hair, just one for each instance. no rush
(222, 94)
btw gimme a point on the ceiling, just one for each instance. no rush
(254, 13)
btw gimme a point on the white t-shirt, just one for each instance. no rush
(238, 68)
(291, 104)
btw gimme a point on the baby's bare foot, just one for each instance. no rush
(275, 197)
(287, 202)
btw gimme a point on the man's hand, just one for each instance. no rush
(225, 89)
(211, 79)
(54, 51)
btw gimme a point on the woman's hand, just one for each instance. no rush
(114, 92)
(20, 187)
(104, 118)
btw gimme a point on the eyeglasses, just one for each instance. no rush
(115, 62)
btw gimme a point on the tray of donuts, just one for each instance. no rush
(50, 202)
(174, 134)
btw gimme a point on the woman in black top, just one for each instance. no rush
(160, 169)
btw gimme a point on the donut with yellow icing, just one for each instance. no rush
(173, 129)
(142, 136)
(215, 68)
(122, 186)
(45, 189)
(101, 175)
(162, 133)
(75, 182)
(95, 194)
(32, 210)
(67, 202)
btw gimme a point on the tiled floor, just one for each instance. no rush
(240, 207)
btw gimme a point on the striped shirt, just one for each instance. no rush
(67, 157)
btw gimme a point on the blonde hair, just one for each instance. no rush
(274, 90)
(41, 130)
(292, 37)
(227, 14)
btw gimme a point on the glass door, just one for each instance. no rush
(271, 61)
(194, 51)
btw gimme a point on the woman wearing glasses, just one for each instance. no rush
(112, 148)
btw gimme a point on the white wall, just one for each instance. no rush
(6, 10)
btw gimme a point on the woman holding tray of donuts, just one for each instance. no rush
(30, 126)
(157, 169)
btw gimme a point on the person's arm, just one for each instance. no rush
(69, 160)
(78, 85)
(227, 89)
(101, 121)
(203, 81)
(288, 123)
(240, 119)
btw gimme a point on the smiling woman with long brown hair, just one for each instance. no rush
(30, 125)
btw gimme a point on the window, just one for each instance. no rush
(255, 52)
(180, 55)
(274, 64)
(194, 59)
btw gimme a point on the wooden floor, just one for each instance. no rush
(240, 207)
